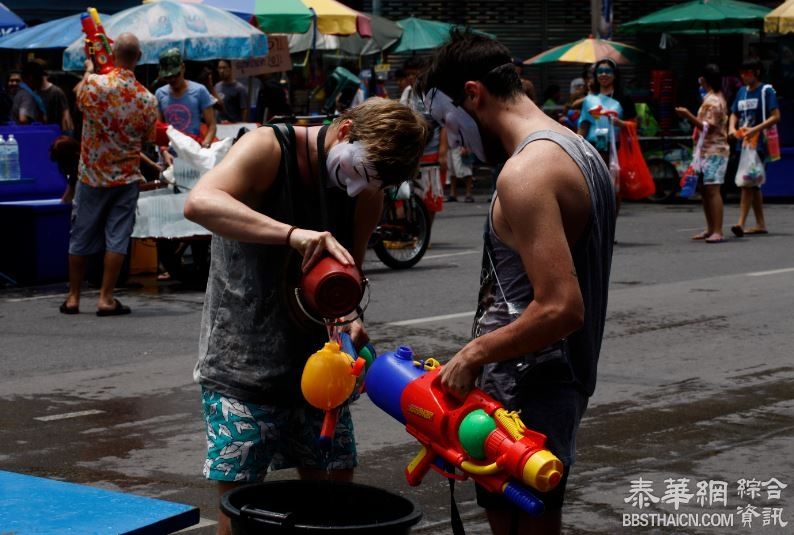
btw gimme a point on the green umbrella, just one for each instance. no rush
(284, 16)
(423, 34)
(384, 34)
(700, 16)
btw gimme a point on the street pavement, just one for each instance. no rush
(695, 390)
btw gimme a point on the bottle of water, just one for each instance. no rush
(3, 160)
(12, 151)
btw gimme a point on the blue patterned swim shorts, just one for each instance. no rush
(245, 439)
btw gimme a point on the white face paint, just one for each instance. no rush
(462, 130)
(349, 170)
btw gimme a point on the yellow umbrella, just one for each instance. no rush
(780, 19)
(335, 18)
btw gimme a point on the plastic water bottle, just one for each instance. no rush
(12, 158)
(3, 160)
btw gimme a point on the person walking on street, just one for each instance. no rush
(546, 262)
(754, 111)
(606, 96)
(119, 114)
(279, 201)
(715, 151)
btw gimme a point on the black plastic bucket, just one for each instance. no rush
(298, 506)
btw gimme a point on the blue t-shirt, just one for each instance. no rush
(598, 133)
(184, 113)
(747, 108)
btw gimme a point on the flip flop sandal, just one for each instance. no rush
(756, 231)
(737, 231)
(715, 239)
(117, 310)
(701, 236)
(64, 309)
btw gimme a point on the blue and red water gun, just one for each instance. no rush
(476, 435)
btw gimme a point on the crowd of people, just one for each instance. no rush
(287, 195)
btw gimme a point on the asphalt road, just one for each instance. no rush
(696, 381)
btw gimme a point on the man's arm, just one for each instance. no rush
(209, 118)
(369, 206)
(528, 217)
(732, 125)
(223, 201)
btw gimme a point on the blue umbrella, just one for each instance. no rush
(9, 21)
(200, 32)
(58, 33)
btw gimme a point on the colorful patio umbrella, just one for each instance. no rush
(335, 18)
(282, 16)
(200, 32)
(384, 34)
(9, 21)
(423, 34)
(58, 33)
(699, 15)
(588, 50)
(295, 16)
(780, 19)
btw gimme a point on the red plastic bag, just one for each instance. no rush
(636, 181)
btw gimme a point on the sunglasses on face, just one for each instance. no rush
(608, 72)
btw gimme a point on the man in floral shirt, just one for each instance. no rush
(118, 116)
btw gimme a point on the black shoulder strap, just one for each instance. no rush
(285, 135)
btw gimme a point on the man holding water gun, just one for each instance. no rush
(546, 262)
(280, 200)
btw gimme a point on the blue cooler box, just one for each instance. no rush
(34, 240)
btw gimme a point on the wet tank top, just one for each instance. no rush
(506, 291)
(254, 341)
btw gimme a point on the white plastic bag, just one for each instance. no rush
(751, 169)
(194, 154)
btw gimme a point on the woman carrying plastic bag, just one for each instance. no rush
(755, 111)
(710, 160)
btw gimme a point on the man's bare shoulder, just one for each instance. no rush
(259, 144)
(541, 164)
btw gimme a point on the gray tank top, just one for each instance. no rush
(506, 291)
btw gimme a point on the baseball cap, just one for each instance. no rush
(170, 62)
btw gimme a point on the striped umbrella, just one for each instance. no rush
(588, 50)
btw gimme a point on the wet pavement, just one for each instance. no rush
(696, 382)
